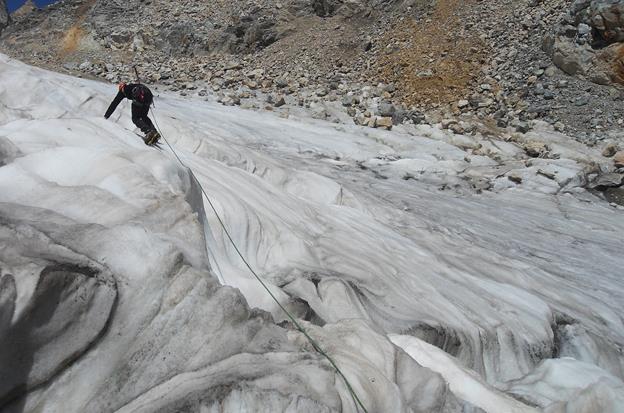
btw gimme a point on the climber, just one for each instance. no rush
(141, 98)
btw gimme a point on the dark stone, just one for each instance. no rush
(615, 195)
(523, 127)
(604, 181)
(5, 18)
(325, 8)
(402, 115)
(386, 109)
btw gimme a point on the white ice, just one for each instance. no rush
(362, 233)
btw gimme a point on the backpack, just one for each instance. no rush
(141, 95)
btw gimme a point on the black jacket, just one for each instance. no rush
(139, 95)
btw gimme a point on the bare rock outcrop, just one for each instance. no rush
(5, 19)
(589, 40)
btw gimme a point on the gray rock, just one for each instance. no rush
(523, 127)
(417, 117)
(319, 113)
(539, 90)
(456, 128)
(583, 29)
(502, 123)
(5, 19)
(580, 48)
(321, 92)
(446, 123)
(70, 66)
(547, 174)
(325, 8)
(605, 16)
(515, 177)
(571, 58)
(610, 150)
(391, 88)
(85, 66)
(386, 109)
(604, 181)
(350, 100)
(121, 37)
(383, 122)
(403, 115)
(281, 82)
(536, 149)
(260, 34)
(279, 102)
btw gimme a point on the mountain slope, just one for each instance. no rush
(499, 62)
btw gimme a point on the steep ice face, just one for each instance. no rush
(108, 300)
(348, 226)
(491, 279)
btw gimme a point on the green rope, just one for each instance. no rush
(315, 345)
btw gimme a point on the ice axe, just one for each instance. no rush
(138, 79)
(136, 72)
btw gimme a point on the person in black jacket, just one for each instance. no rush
(141, 98)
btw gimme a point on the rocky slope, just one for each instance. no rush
(4, 16)
(505, 63)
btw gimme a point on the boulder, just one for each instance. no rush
(535, 149)
(456, 128)
(610, 65)
(260, 34)
(515, 177)
(604, 181)
(383, 122)
(279, 102)
(350, 100)
(386, 109)
(446, 123)
(523, 127)
(572, 58)
(360, 120)
(610, 150)
(602, 66)
(256, 73)
(607, 18)
(588, 43)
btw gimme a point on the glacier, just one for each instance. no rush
(120, 292)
